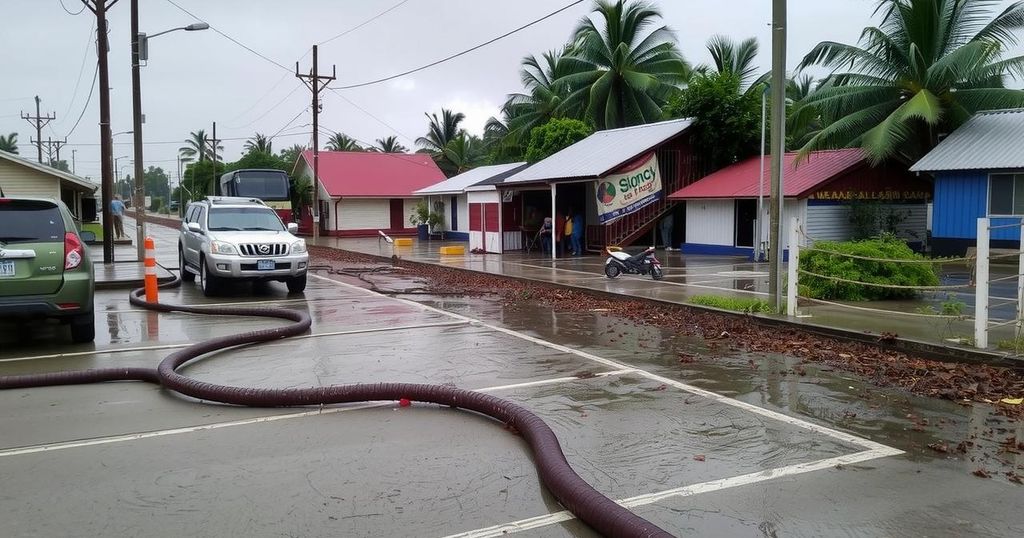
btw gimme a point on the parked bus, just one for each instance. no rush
(271, 186)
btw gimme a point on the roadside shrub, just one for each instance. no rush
(886, 247)
(733, 303)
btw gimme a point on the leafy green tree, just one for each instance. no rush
(925, 70)
(156, 182)
(61, 165)
(342, 142)
(554, 136)
(620, 74)
(258, 159)
(259, 143)
(9, 143)
(727, 121)
(291, 154)
(542, 98)
(198, 146)
(200, 178)
(390, 145)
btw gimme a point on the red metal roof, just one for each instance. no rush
(374, 175)
(740, 180)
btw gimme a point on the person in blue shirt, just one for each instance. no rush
(117, 211)
(578, 226)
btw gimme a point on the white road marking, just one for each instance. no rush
(685, 491)
(64, 445)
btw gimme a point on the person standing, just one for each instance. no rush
(577, 234)
(117, 212)
(567, 235)
(545, 236)
(666, 225)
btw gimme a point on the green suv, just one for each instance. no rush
(45, 271)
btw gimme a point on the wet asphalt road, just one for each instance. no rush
(766, 453)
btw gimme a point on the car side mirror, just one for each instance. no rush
(194, 227)
(293, 228)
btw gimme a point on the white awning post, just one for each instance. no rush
(554, 224)
(792, 282)
(981, 286)
(1020, 287)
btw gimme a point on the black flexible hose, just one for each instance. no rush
(586, 503)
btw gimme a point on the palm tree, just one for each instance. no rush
(342, 142)
(735, 58)
(441, 131)
(621, 76)
(200, 147)
(543, 99)
(291, 154)
(462, 153)
(9, 143)
(925, 70)
(390, 145)
(260, 144)
(802, 122)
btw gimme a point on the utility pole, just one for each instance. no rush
(52, 148)
(99, 8)
(312, 81)
(778, 144)
(140, 179)
(38, 122)
(213, 152)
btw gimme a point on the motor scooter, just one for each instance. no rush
(644, 263)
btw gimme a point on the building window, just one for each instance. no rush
(1006, 194)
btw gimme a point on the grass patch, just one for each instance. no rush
(1014, 344)
(733, 303)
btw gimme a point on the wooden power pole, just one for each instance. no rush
(99, 8)
(312, 81)
(38, 122)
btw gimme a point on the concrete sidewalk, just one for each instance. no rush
(127, 269)
(690, 275)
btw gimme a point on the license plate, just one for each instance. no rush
(265, 265)
(6, 268)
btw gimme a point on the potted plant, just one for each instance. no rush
(435, 221)
(420, 218)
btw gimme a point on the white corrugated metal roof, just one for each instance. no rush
(458, 184)
(601, 152)
(990, 140)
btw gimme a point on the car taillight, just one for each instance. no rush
(73, 251)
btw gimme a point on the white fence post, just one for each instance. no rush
(981, 285)
(792, 281)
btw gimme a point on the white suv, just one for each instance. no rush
(239, 239)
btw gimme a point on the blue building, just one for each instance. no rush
(977, 170)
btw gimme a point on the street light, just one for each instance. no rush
(140, 52)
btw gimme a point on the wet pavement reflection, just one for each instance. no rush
(129, 458)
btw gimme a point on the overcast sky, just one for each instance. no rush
(196, 78)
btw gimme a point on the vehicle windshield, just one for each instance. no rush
(262, 185)
(244, 218)
(30, 221)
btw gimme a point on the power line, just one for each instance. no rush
(229, 38)
(271, 109)
(364, 23)
(81, 68)
(260, 100)
(301, 112)
(456, 55)
(368, 113)
(88, 100)
(69, 12)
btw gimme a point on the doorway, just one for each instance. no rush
(746, 215)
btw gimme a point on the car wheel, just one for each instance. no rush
(83, 328)
(209, 282)
(297, 284)
(186, 275)
(611, 270)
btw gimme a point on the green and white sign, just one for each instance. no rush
(629, 190)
